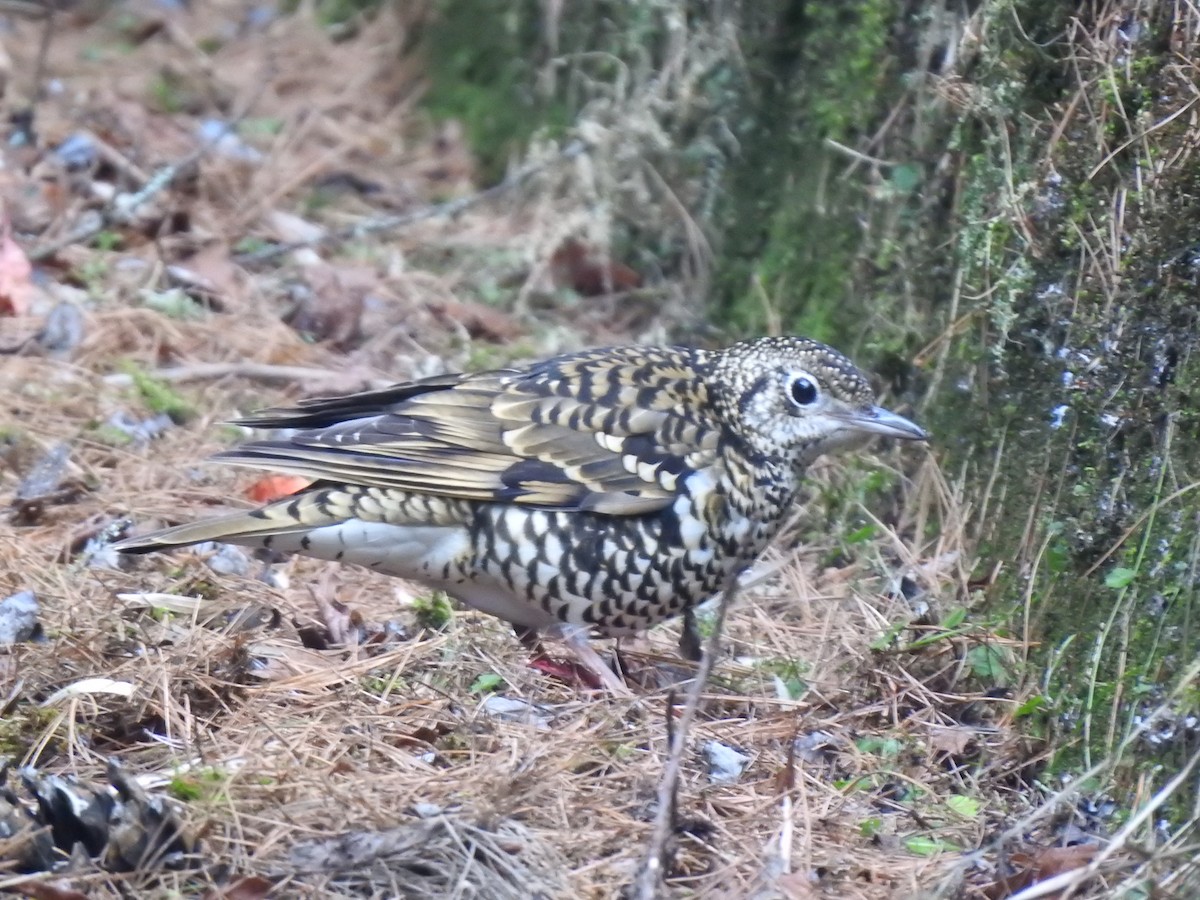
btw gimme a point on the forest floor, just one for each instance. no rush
(316, 730)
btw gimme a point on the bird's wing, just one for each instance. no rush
(613, 432)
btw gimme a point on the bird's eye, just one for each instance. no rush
(804, 391)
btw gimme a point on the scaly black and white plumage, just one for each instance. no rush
(603, 491)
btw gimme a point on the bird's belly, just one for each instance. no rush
(438, 556)
(543, 568)
(419, 552)
(616, 574)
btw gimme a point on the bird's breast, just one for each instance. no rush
(622, 573)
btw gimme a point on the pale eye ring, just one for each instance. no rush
(803, 390)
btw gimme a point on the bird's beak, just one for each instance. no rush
(877, 420)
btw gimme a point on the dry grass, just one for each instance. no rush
(271, 744)
(877, 753)
(284, 743)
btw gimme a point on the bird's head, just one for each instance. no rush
(793, 399)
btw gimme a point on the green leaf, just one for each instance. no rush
(967, 807)
(871, 827)
(880, 746)
(988, 663)
(861, 535)
(1032, 705)
(1057, 557)
(927, 846)
(796, 688)
(888, 638)
(957, 617)
(486, 683)
(906, 177)
(1119, 578)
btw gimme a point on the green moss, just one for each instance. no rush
(433, 611)
(158, 395)
(24, 725)
(486, 77)
(111, 435)
(823, 73)
(201, 785)
(847, 64)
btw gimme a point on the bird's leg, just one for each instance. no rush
(690, 646)
(529, 639)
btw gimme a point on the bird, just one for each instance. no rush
(596, 493)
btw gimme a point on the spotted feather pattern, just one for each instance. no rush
(606, 431)
(610, 489)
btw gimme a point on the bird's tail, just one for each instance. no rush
(295, 516)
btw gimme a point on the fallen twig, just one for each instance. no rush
(448, 209)
(255, 371)
(123, 208)
(650, 876)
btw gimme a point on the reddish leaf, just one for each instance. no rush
(273, 487)
(1028, 867)
(589, 272)
(250, 887)
(15, 288)
(51, 890)
(481, 322)
(566, 671)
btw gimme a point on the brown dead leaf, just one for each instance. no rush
(1028, 867)
(785, 778)
(332, 308)
(274, 487)
(213, 272)
(16, 291)
(51, 890)
(589, 272)
(952, 741)
(796, 886)
(481, 322)
(249, 887)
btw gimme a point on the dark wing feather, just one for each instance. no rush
(609, 431)
(320, 412)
